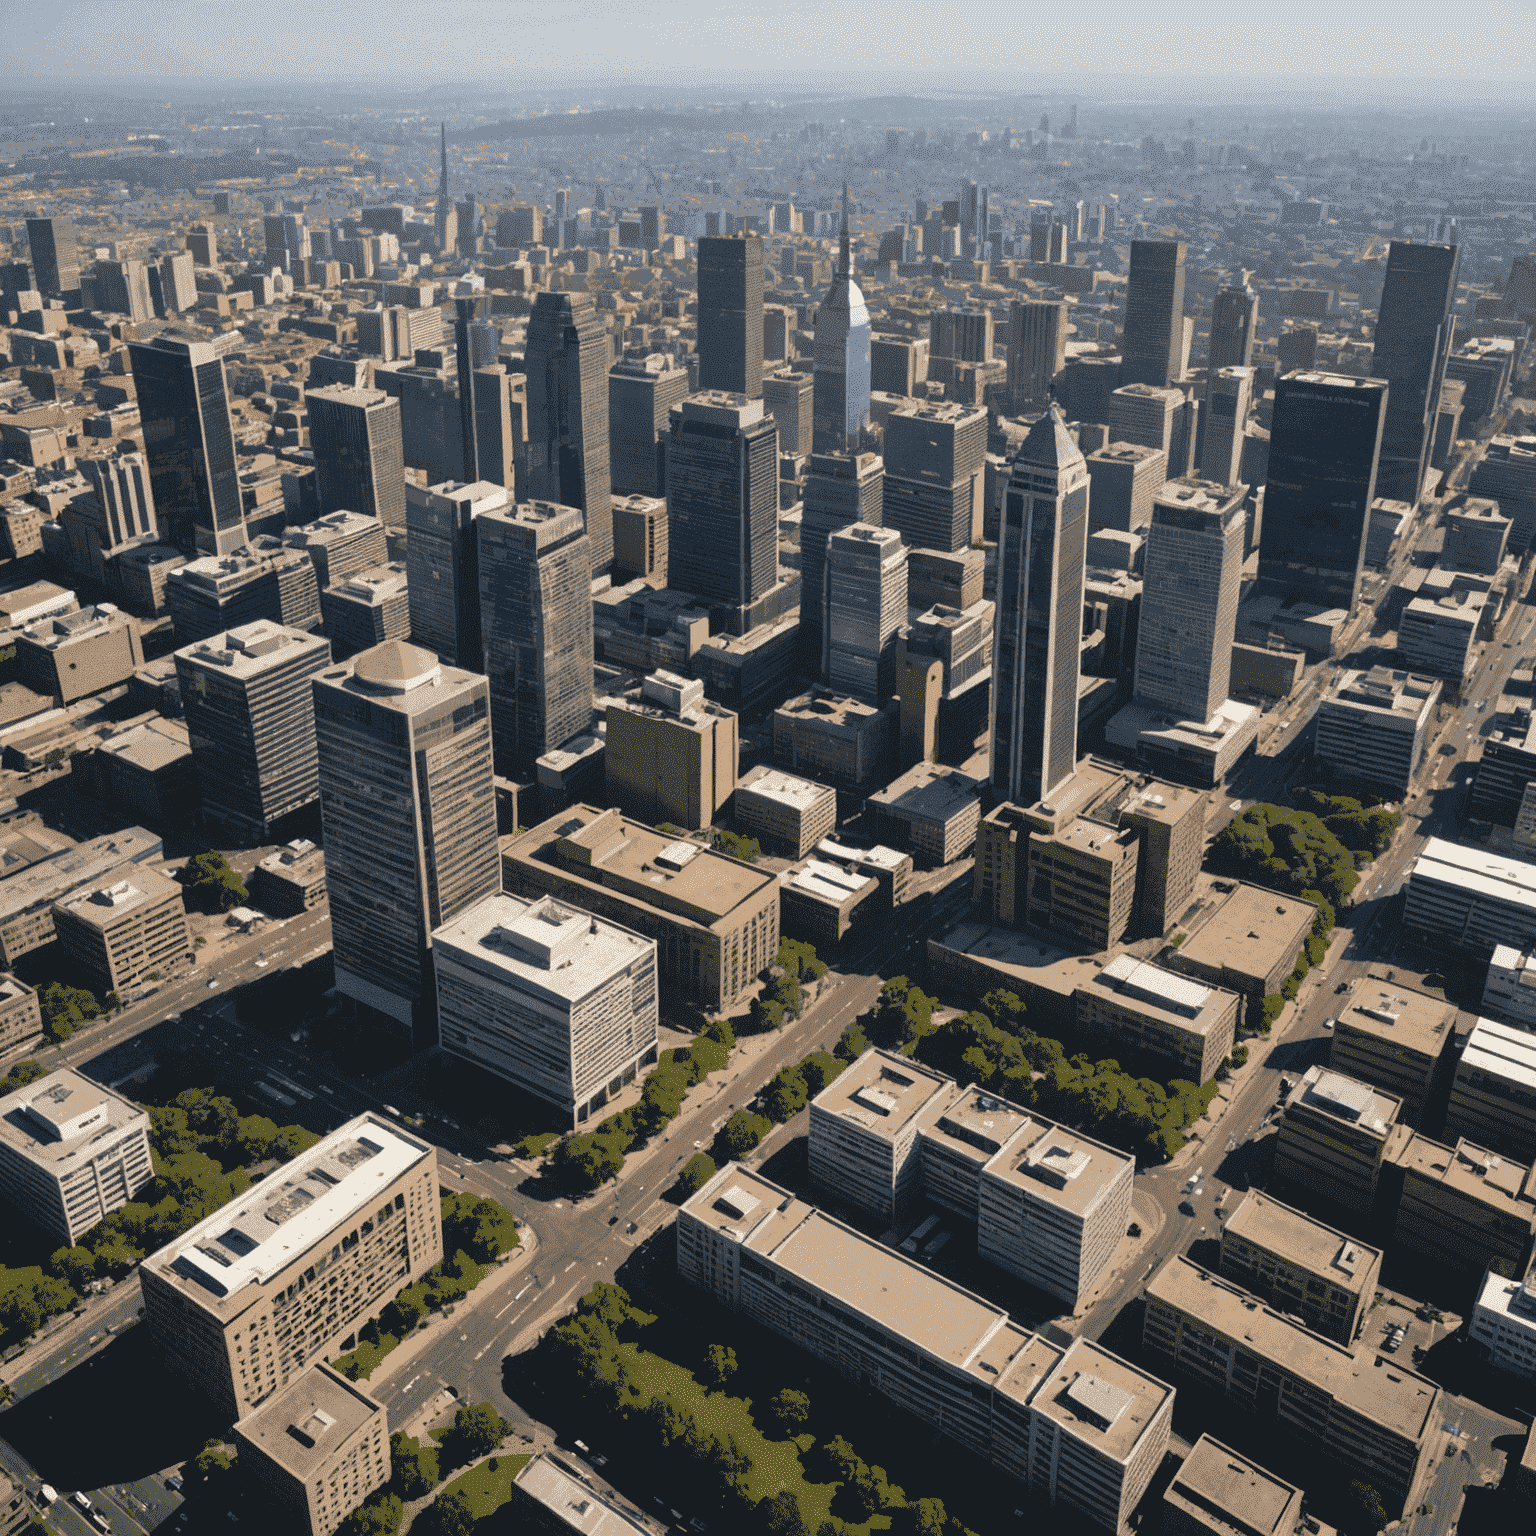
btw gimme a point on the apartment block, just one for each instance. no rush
(784, 812)
(1217, 1492)
(1436, 634)
(1462, 1205)
(316, 1450)
(672, 754)
(931, 810)
(1132, 1004)
(1378, 1419)
(249, 703)
(1471, 898)
(21, 1018)
(1506, 768)
(1145, 414)
(290, 881)
(71, 1153)
(118, 934)
(1503, 1322)
(262, 580)
(1081, 881)
(715, 919)
(285, 1274)
(1493, 1095)
(1300, 1266)
(1079, 1427)
(548, 997)
(959, 1134)
(73, 655)
(1332, 1136)
(864, 1131)
(820, 901)
(1373, 727)
(1509, 993)
(838, 740)
(1396, 1039)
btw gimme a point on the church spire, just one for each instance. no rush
(842, 254)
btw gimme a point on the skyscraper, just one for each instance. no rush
(408, 802)
(184, 410)
(935, 473)
(1324, 440)
(1193, 569)
(122, 489)
(641, 394)
(445, 218)
(730, 321)
(464, 292)
(355, 436)
(1228, 398)
(1151, 344)
(866, 603)
(536, 622)
(723, 502)
(55, 257)
(443, 562)
(566, 360)
(1041, 561)
(840, 488)
(1234, 324)
(840, 372)
(1037, 351)
(287, 241)
(1414, 331)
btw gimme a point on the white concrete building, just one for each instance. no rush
(1504, 1322)
(1436, 635)
(1470, 897)
(1509, 993)
(1373, 727)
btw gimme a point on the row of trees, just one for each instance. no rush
(784, 995)
(791, 1089)
(1311, 953)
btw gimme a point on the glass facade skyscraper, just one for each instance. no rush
(1151, 344)
(731, 314)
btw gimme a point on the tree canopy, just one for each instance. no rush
(210, 880)
(1288, 850)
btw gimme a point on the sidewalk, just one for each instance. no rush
(69, 1326)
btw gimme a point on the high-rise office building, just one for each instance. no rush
(1234, 324)
(1041, 561)
(249, 702)
(184, 411)
(464, 297)
(935, 473)
(566, 360)
(122, 490)
(840, 371)
(1228, 398)
(445, 218)
(536, 625)
(55, 257)
(178, 282)
(408, 802)
(287, 241)
(359, 467)
(1324, 440)
(1414, 330)
(1192, 571)
(442, 561)
(641, 394)
(1151, 344)
(123, 288)
(790, 400)
(865, 603)
(730, 320)
(723, 502)
(203, 243)
(1037, 351)
(840, 489)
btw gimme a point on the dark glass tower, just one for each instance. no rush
(567, 360)
(1153, 340)
(184, 409)
(1324, 440)
(1041, 558)
(1234, 323)
(1414, 329)
(840, 374)
(55, 256)
(359, 467)
(731, 314)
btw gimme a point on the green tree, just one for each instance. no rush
(786, 1095)
(76, 1267)
(738, 847)
(449, 1514)
(1369, 1510)
(483, 1228)
(255, 1137)
(1273, 1006)
(903, 1015)
(852, 1043)
(697, 1172)
(781, 1515)
(586, 1161)
(477, 1430)
(20, 1075)
(293, 1141)
(791, 1410)
(720, 1031)
(210, 880)
(416, 1471)
(765, 1014)
(379, 1516)
(719, 1366)
(743, 1131)
(818, 1069)
(65, 1009)
(210, 1465)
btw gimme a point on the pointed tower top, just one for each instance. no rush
(843, 264)
(1048, 443)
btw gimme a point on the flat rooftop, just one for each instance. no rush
(299, 860)
(1502, 1051)
(606, 849)
(104, 905)
(1060, 1167)
(1296, 1239)
(1395, 694)
(1346, 1100)
(373, 585)
(883, 1093)
(1472, 1172)
(406, 679)
(1101, 1399)
(930, 792)
(1124, 453)
(257, 1235)
(249, 650)
(545, 946)
(332, 527)
(829, 709)
(56, 1122)
(1224, 1491)
(1251, 932)
(1162, 994)
(573, 1503)
(974, 1125)
(785, 789)
(822, 880)
(301, 1427)
(1374, 1385)
(152, 745)
(1030, 958)
(1413, 1021)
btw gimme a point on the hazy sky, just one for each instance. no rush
(895, 43)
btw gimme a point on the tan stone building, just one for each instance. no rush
(1134, 1004)
(1333, 1134)
(789, 814)
(317, 1450)
(1397, 1039)
(21, 1019)
(1300, 1266)
(1462, 1206)
(75, 654)
(118, 934)
(671, 754)
(1218, 1492)
(285, 1274)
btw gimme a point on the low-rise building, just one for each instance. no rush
(1395, 1038)
(1471, 898)
(21, 1019)
(1476, 535)
(715, 919)
(1503, 1322)
(1204, 753)
(247, 1300)
(1493, 1095)
(71, 1153)
(1133, 1004)
(1461, 1206)
(1301, 1266)
(839, 741)
(889, 866)
(786, 813)
(549, 1501)
(1373, 727)
(1217, 1492)
(118, 934)
(367, 608)
(1081, 881)
(290, 881)
(548, 997)
(820, 901)
(1333, 1134)
(1377, 1418)
(147, 768)
(1506, 769)
(1509, 993)
(316, 1450)
(931, 810)
(72, 655)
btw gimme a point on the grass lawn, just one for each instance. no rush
(487, 1490)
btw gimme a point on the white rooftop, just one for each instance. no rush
(786, 788)
(1502, 1050)
(1477, 870)
(1166, 988)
